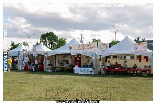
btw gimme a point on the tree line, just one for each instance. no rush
(52, 41)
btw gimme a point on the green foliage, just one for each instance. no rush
(49, 39)
(13, 45)
(61, 42)
(114, 42)
(37, 43)
(95, 40)
(25, 43)
(137, 40)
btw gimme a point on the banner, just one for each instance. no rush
(85, 70)
(140, 48)
(150, 56)
(88, 49)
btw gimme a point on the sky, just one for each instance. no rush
(69, 20)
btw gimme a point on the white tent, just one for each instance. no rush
(123, 47)
(64, 49)
(15, 51)
(126, 46)
(40, 49)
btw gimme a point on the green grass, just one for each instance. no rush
(39, 86)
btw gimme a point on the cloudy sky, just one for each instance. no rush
(70, 20)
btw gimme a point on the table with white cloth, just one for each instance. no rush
(79, 70)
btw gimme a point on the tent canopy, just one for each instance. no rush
(19, 48)
(123, 47)
(126, 46)
(40, 49)
(64, 49)
(15, 51)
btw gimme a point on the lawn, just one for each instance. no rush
(43, 86)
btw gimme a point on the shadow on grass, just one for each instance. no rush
(86, 75)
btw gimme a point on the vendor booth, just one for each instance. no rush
(20, 53)
(90, 55)
(40, 53)
(127, 50)
(63, 57)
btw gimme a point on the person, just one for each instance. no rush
(9, 61)
(85, 65)
(124, 65)
(108, 64)
(135, 67)
(42, 60)
(29, 64)
(26, 59)
(116, 65)
(23, 65)
(36, 65)
(13, 63)
(91, 65)
(33, 64)
(108, 67)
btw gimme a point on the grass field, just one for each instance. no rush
(43, 86)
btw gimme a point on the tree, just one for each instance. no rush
(25, 43)
(95, 40)
(61, 42)
(49, 39)
(37, 43)
(113, 42)
(13, 45)
(137, 40)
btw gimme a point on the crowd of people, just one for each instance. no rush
(24, 64)
(117, 65)
(34, 65)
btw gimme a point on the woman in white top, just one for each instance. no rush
(124, 65)
(108, 64)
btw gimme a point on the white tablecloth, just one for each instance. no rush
(78, 70)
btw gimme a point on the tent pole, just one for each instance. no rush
(45, 65)
(55, 59)
(96, 64)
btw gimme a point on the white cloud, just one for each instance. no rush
(69, 22)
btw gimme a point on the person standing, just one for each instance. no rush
(124, 65)
(29, 64)
(9, 61)
(108, 66)
(13, 63)
(42, 60)
(23, 65)
(36, 65)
